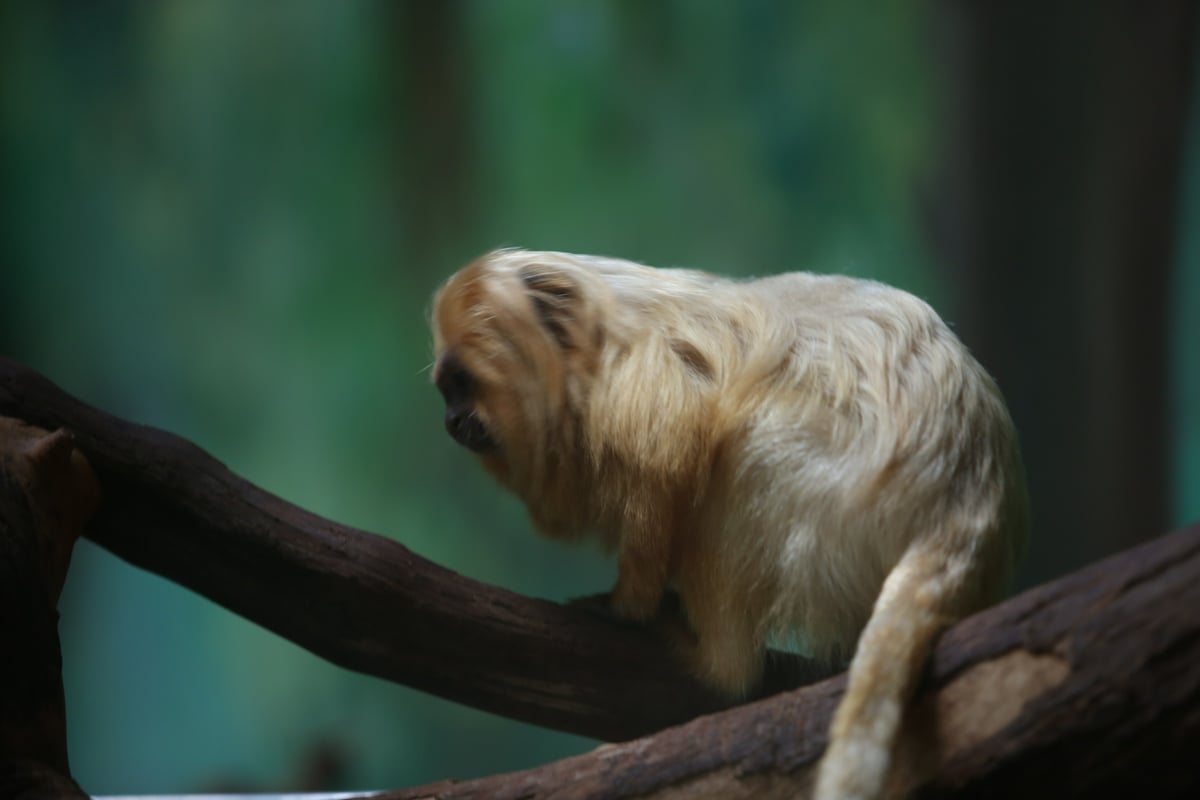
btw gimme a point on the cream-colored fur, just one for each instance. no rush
(803, 454)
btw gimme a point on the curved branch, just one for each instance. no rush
(1081, 687)
(363, 601)
(47, 492)
(1084, 687)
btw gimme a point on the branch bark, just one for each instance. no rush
(362, 601)
(1084, 687)
(46, 493)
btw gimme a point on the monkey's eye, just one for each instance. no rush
(458, 387)
(455, 383)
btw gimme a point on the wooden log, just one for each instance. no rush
(363, 601)
(47, 492)
(1088, 686)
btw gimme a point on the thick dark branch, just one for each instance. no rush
(47, 492)
(363, 601)
(1084, 687)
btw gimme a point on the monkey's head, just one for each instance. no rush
(517, 338)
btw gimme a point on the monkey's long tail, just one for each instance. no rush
(922, 594)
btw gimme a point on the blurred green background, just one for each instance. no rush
(226, 219)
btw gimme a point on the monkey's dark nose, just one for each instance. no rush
(466, 429)
(454, 423)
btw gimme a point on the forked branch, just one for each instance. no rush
(1086, 686)
(363, 601)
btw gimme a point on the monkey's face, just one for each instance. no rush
(460, 391)
(515, 341)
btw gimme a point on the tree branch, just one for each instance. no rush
(1084, 687)
(47, 492)
(360, 600)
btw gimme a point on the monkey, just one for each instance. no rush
(802, 454)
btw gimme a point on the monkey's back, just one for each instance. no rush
(861, 425)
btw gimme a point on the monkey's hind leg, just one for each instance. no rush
(926, 591)
(726, 650)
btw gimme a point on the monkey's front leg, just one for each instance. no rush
(642, 573)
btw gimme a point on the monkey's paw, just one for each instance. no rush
(633, 602)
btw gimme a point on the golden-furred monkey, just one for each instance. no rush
(802, 454)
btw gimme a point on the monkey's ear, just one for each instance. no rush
(556, 298)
